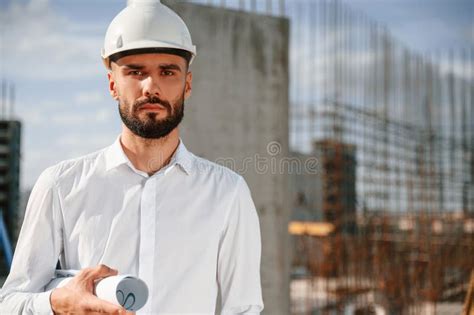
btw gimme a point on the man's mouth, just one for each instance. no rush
(152, 106)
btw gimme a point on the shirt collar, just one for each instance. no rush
(183, 158)
(114, 157)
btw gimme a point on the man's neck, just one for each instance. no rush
(149, 155)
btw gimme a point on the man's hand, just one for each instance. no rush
(77, 295)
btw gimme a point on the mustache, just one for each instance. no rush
(152, 100)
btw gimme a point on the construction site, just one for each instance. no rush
(366, 200)
(387, 224)
(383, 223)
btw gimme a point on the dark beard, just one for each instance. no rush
(151, 128)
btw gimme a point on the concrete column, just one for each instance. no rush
(238, 115)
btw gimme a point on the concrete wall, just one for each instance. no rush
(238, 108)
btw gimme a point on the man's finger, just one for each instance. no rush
(96, 305)
(101, 271)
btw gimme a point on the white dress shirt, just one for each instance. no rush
(190, 231)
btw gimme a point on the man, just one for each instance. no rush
(145, 205)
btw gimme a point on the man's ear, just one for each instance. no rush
(112, 85)
(188, 85)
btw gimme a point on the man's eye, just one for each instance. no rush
(167, 73)
(136, 72)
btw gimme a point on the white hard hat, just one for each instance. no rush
(146, 24)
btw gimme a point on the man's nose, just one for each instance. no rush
(151, 86)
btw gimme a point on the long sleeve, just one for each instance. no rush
(37, 252)
(239, 257)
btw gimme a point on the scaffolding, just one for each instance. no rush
(407, 120)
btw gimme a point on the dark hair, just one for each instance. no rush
(172, 51)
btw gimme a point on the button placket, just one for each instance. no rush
(148, 238)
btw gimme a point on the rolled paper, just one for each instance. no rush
(125, 290)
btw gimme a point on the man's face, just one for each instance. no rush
(150, 89)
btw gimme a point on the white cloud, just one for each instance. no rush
(38, 113)
(33, 117)
(87, 98)
(68, 118)
(105, 115)
(76, 142)
(41, 44)
(73, 118)
(460, 68)
(61, 117)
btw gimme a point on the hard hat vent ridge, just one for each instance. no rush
(135, 2)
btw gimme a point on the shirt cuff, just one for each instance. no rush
(42, 303)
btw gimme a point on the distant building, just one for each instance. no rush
(326, 192)
(10, 136)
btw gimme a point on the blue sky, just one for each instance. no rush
(51, 51)
(424, 25)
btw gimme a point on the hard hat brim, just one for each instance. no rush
(186, 55)
(147, 46)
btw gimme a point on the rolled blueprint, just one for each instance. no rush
(125, 290)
